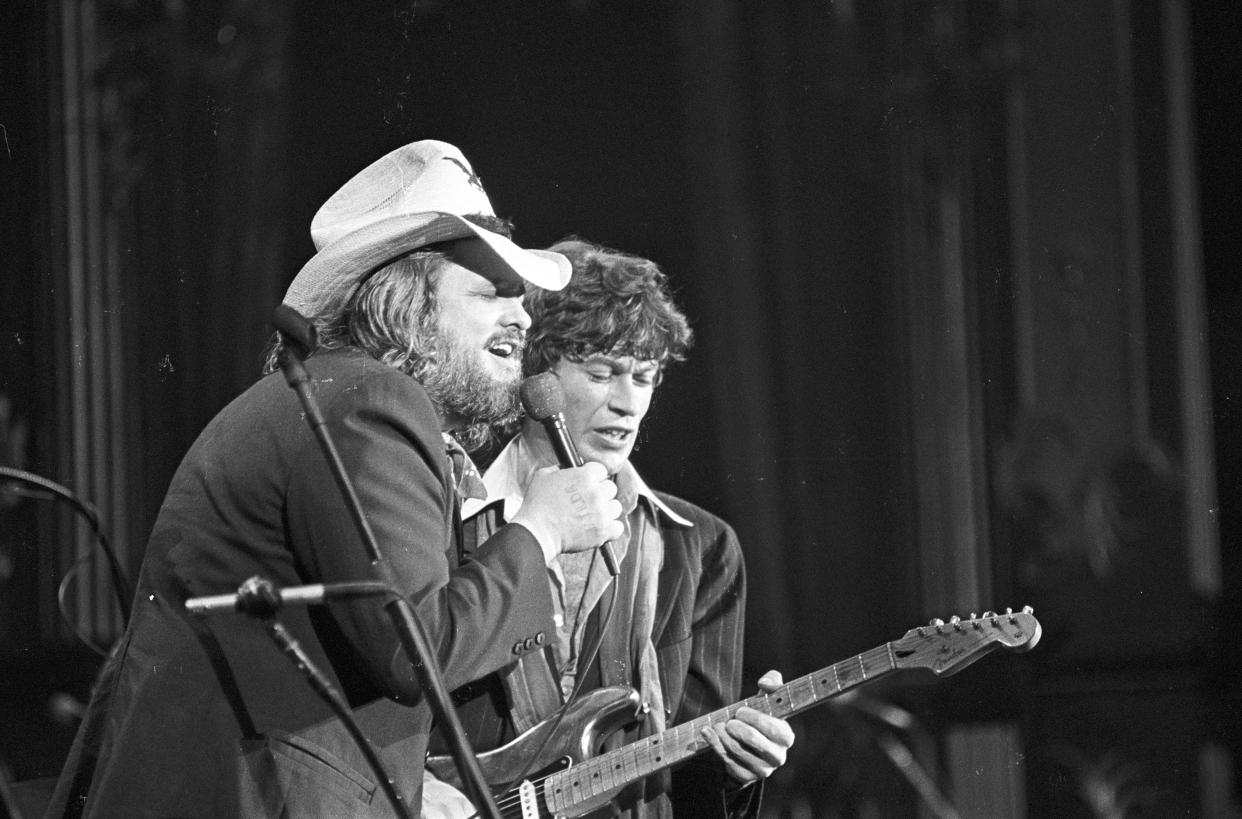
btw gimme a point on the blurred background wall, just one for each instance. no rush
(962, 277)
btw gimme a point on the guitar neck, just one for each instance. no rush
(614, 770)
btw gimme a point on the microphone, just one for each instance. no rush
(259, 597)
(543, 399)
(296, 330)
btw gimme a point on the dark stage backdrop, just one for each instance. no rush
(942, 259)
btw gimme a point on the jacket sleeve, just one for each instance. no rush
(714, 673)
(475, 615)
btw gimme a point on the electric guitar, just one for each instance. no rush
(571, 780)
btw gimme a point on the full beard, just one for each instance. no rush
(460, 385)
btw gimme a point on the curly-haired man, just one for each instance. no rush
(670, 624)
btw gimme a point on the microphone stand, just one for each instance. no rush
(299, 340)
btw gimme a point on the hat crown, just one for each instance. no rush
(428, 176)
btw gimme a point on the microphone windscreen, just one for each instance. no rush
(296, 328)
(542, 396)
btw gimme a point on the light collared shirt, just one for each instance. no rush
(506, 481)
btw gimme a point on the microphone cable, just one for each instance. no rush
(50, 490)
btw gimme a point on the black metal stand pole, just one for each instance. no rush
(299, 336)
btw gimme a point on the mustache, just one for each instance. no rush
(515, 337)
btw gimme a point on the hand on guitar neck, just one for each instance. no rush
(752, 744)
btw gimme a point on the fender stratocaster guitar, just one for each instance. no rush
(572, 781)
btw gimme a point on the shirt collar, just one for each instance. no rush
(466, 478)
(506, 479)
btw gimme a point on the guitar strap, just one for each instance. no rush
(530, 682)
(625, 651)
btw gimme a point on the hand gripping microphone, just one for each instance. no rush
(543, 399)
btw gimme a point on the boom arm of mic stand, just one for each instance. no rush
(409, 631)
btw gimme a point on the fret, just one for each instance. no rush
(801, 694)
(775, 703)
(849, 674)
(824, 683)
(880, 660)
(627, 764)
(688, 740)
(607, 773)
(633, 763)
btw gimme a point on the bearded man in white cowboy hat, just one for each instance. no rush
(417, 293)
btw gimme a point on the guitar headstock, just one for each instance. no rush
(948, 647)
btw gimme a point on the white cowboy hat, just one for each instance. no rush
(410, 198)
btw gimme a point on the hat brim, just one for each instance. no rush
(327, 280)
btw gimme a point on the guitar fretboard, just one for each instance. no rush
(613, 770)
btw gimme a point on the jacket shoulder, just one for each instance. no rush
(350, 377)
(703, 520)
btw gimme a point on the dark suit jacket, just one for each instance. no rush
(700, 612)
(206, 717)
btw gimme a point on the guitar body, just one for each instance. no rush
(577, 737)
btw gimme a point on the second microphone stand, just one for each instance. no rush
(300, 340)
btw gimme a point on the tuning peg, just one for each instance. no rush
(956, 622)
(1028, 610)
(937, 622)
(989, 614)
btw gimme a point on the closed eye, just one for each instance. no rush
(647, 377)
